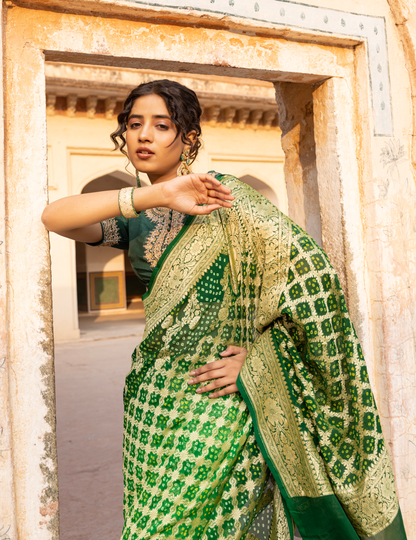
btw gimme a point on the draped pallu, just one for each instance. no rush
(301, 442)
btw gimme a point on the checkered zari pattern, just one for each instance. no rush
(192, 467)
(326, 349)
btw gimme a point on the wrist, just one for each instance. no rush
(162, 194)
(149, 197)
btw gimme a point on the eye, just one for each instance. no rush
(163, 126)
(134, 125)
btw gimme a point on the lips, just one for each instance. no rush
(144, 152)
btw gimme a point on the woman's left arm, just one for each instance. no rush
(224, 372)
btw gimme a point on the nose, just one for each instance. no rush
(145, 133)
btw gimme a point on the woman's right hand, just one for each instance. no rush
(78, 216)
(187, 193)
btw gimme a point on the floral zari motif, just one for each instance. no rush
(168, 224)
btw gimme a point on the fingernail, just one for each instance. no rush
(190, 382)
(211, 395)
(192, 373)
(199, 389)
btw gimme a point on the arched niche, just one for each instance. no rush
(110, 181)
(261, 187)
(96, 266)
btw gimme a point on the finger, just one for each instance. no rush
(217, 364)
(219, 189)
(204, 210)
(221, 202)
(218, 383)
(216, 374)
(219, 195)
(206, 179)
(231, 389)
(210, 178)
(213, 183)
(232, 350)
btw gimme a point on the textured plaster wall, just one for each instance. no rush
(375, 203)
(7, 498)
(29, 313)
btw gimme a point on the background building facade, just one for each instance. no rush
(344, 74)
(240, 137)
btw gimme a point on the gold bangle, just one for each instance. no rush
(125, 202)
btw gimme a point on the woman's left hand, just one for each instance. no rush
(224, 371)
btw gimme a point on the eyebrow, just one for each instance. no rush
(154, 116)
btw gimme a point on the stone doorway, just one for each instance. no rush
(325, 92)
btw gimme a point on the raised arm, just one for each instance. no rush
(78, 216)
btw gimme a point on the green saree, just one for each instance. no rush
(301, 443)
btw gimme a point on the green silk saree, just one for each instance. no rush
(301, 442)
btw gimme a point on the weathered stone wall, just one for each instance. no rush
(363, 110)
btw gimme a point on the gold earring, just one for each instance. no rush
(184, 168)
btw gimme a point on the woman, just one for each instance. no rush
(283, 428)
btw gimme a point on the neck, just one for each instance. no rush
(156, 178)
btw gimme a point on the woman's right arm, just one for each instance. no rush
(78, 216)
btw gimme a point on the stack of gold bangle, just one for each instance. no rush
(125, 202)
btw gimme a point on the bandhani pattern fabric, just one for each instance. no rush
(301, 443)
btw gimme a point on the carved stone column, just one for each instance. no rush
(229, 116)
(256, 116)
(71, 104)
(268, 118)
(243, 114)
(50, 104)
(91, 106)
(110, 105)
(212, 114)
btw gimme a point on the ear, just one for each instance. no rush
(192, 136)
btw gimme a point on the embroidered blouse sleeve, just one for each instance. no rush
(115, 233)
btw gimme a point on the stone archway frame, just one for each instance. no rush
(336, 68)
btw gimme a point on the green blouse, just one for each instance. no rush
(146, 237)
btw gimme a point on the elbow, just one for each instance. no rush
(46, 219)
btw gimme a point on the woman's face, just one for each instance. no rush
(150, 138)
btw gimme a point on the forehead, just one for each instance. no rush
(149, 105)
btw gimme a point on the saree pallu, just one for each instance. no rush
(301, 443)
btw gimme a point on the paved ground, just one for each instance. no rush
(90, 377)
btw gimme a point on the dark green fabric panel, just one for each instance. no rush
(395, 531)
(324, 515)
(288, 517)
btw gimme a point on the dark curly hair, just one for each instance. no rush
(182, 104)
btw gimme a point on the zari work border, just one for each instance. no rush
(300, 470)
(111, 233)
(186, 258)
(376, 512)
